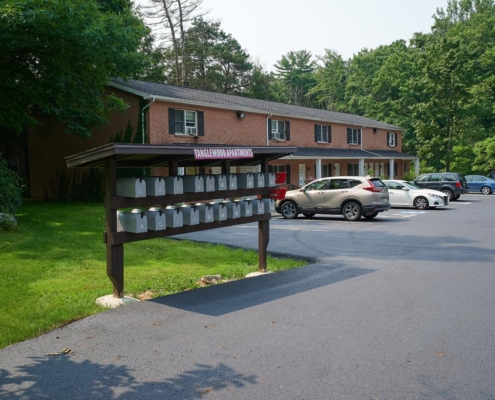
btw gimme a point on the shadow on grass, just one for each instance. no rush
(61, 378)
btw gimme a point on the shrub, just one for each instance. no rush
(10, 190)
(409, 176)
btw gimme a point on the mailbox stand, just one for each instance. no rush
(113, 156)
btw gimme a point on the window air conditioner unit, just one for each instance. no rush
(190, 131)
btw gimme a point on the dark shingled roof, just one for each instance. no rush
(185, 94)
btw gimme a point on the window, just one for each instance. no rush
(323, 134)
(326, 169)
(185, 122)
(353, 169)
(278, 130)
(353, 136)
(277, 168)
(391, 139)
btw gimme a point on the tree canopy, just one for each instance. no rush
(57, 57)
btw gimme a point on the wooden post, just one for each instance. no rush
(263, 239)
(115, 253)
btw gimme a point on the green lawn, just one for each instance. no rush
(53, 267)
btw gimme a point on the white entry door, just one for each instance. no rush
(337, 169)
(302, 174)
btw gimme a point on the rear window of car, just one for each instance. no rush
(377, 182)
(452, 177)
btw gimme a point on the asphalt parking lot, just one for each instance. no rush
(399, 307)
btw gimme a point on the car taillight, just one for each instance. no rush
(373, 188)
(458, 185)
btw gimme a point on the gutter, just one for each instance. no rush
(142, 116)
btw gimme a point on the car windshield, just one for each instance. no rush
(411, 185)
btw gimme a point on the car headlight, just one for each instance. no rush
(434, 195)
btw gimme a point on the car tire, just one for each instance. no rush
(289, 210)
(352, 211)
(450, 194)
(457, 197)
(309, 215)
(486, 190)
(370, 215)
(421, 203)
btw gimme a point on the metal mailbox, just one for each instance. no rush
(269, 205)
(233, 210)
(258, 206)
(193, 184)
(270, 179)
(131, 187)
(205, 213)
(246, 208)
(155, 186)
(232, 182)
(209, 183)
(190, 215)
(219, 211)
(156, 219)
(134, 221)
(245, 181)
(174, 185)
(174, 217)
(221, 182)
(259, 180)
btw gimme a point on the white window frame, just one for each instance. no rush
(354, 136)
(189, 128)
(392, 139)
(278, 129)
(322, 133)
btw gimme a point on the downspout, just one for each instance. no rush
(142, 116)
(267, 129)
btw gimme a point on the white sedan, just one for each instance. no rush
(407, 194)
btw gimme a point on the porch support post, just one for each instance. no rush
(392, 172)
(416, 166)
(362, 172)
(318, 169)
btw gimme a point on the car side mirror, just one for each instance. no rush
(406, 189)
(302, 190)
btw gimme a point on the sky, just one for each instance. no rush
(268, 29)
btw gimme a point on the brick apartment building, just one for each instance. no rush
(328, 143)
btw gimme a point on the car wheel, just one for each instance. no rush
(486, 190)
(450, 194)
(289, 210)
(421, 203)
(352, 211)
(457, 197)
(309, 215)
(370, 215)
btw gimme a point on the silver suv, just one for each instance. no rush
(351, 196)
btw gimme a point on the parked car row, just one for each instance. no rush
(356, 196)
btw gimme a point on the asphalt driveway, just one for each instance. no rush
(400, 307)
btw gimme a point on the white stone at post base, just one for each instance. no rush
(258, 273)
(112, 302)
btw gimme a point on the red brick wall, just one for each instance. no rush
(224, 127)
(49, 144)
